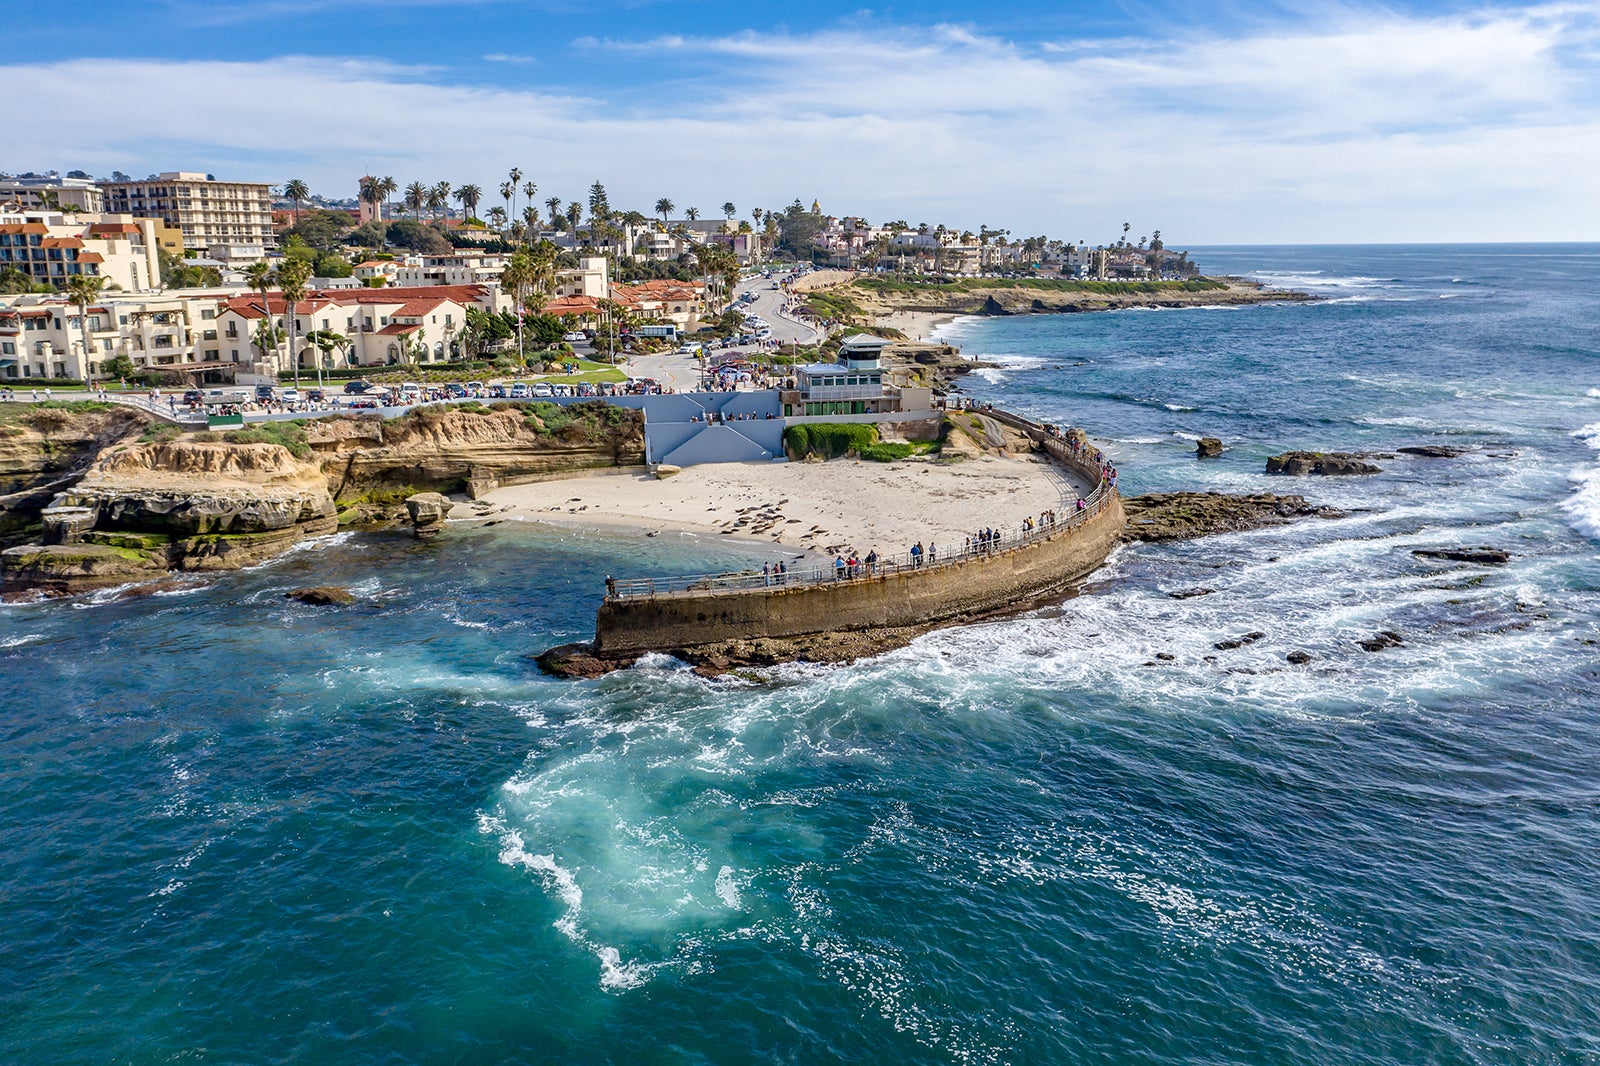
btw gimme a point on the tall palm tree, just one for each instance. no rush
(258, 276)
(691, 213)
(83, 290)
(507, 191)
(439, 199)
(296, 190)
(664, 207)
(469, 195)
(417, 198)
(497, 217)
(515, 176)
(530, 221)
(554, 204)
(530, 190)
(574, 214)
(292, 275)
(518, 274)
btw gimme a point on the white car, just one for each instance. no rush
(561, 390)
(543, 391)
(577, 336)
(289, 395)
(688, 349)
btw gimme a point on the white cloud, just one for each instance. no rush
(1360, 127)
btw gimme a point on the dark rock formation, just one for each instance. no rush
(1433, 451)
(1328, 464)
(1491, 556)
(1299, 658)
(67, 525)
(1386, 639)
(1238, 642)
(576, 661)
(1164, 516)
(322, 596)
(1208, 448)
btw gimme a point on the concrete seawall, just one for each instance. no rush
(1007, 580)
(904, 599)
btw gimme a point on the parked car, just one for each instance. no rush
(316, 395)
(364, 403)
(543, 391)
(357, 387)
(290, 396)
(576, 336)
(520, 390)
(264, 392)
(561, 390)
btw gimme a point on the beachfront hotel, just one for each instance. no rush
(207, 211)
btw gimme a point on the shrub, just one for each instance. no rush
(291, 435)
(829, 440)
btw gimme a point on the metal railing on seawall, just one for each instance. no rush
(181, 415)
(1002, 541)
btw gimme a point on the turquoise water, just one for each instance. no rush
(242, 830)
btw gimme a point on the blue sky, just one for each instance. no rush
(1216, 122)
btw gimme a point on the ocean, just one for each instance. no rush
(237, 829)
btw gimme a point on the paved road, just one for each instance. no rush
(769, 304)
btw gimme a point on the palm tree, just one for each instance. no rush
(1126, 226)
(83, 290)
(416, 198)
(296, 191)
(497, 217)
(691, 213)
(469, 195)
(507, 191)
(517, 276)
(531, 220)
(554, 204)
(530, 190)
(574, 213)
(664, 208)
(258, 276)
(515, 176)
(325, 341)
(292, 276)
(438, 198)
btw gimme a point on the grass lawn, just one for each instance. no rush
(588, 370)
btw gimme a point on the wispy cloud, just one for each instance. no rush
(505, 57)
(1353, 125)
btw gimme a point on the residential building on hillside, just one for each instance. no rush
(35, 192)
(209, 212)
(51, 247)
(682, 303)
(40, 336)
(377, 327)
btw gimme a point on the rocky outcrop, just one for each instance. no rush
(144, 509)
(1490, 556)
(322, 596)
(46, 449)
(1328, 464)
(1037, 296)
(1434, 451)
(1207, 448)
(1163, 516)
(472, 449)
(428, 511)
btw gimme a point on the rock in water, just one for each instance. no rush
(1492, 556)
(1434, 451)
(576, 661)
(322, 596)
(1327, 464)
(1299, 658)
(1386, 639)
(428, 511)
(1160, 516)
(1208, 448)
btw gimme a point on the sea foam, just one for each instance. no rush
(1583, 506)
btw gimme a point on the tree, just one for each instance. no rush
(691, 213)
(530, 221)
(333, 265)
(326, 341)
(497, 217)
(417, 237)
(258, 276)
(530, 190)
(416, 198)
(439, 200)
(296, 191)
(599, 203)
(322, 230)
(518, 276)
(574, 213)
(14, 282)
(664, 208)
(511, 204)
(507, 191)
(1126, 226)
(177, 274)
(374, 234)
(292, 275)
(554, 204)
(469, 195)
(728, 210)
(83, 290)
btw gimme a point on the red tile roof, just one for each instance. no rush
(398, 328)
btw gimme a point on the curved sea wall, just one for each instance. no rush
(907, 598)
(1037, 565)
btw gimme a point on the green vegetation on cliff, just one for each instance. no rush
(831, 440)
(290, 434)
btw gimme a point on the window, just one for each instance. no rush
(207, 315)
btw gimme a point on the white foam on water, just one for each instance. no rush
(1583, 506)
(1593, 394)
(727, 887)
(19, 640)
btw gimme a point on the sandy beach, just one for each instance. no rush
(916, 325)
(844, 505)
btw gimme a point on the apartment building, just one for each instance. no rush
(40, 336)
(377, 327)
(42, 192)
(51, 247)
(206, 210)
